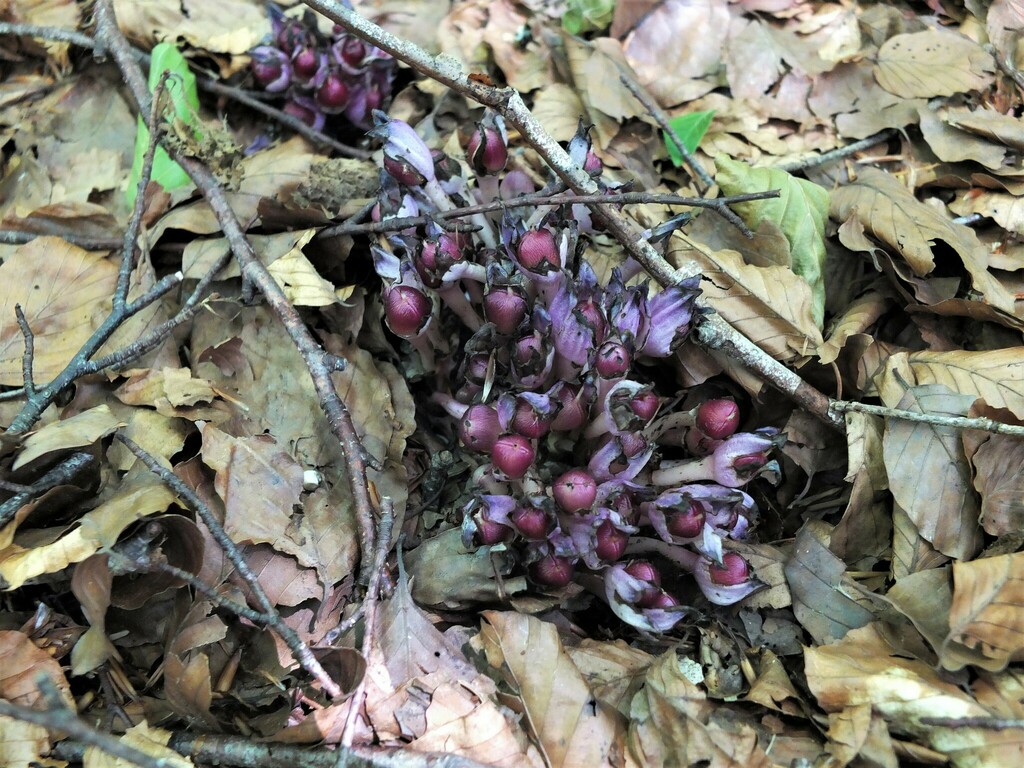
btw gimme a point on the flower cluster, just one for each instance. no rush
(319, 75)
(545, 369)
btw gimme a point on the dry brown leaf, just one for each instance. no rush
(989, 123)
(999, 480)
(613, 670)
(856, 731)
(996, 376)
(928, 472)
(987, 613)
(282, 578)
(953, 145)
(891, 213)
(855, 320)
(65, 294)
(572, 728)
(770, 305)
(145, 738)
(669, 725)
(140, 494)
(1006, 210)
(820, 589)
(91, 584)
(932, 63)
(81, 429)
(229, 26)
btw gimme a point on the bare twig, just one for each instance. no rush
(59, 475)
(802, 164)
(299, 649)
(566, 198)
(320, 365)
(204, 83)
(59, 718)
(369, 606)
(20, 237)
(663, 122)
(984, 723)
(447, 71)
(29, 354)
(938, 419)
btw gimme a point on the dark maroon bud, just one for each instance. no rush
(294, 35)
(574, 413)
(374, 98)
(659, 599)
(407, 311)
(311, 116)
(552, 571)
(613, 360)
(527, 422)
(611, 542)
(271, 68)
(476, 367)
(332, 94)
(749, 464)
(645, 571)
(645, 405)
(487, 152)
(686, 524)
(593, 316)
(718, 419)
(305, 63)
(469, 393)
(505, 308)
(593, 164)
(527, 349)
(353, 51)
(531, 522)
(733, 570)
(575, 490)
(513, 455)
(479, 428)
(699, 444)
(633, 444)
(538, 252)
(403, 172)
(489, 532)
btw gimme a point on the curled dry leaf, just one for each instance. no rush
(987, 613)
(81, 429)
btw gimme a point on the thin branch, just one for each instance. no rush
(59, 475)
(447, 71)
(662, 120)
(22, 236)
(802, 164)
(59, 718)
(938, 419)
(299, 649)
(204, 83)
(565, 198)
(30, 351)
(253, 270)
(983, 723)
(369, 606)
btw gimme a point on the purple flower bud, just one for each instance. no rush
(505, 308)
(686, 523)
(659, 599)
(292, 35)
(306, 110)
(306, 63)
(407, 311)
(575, 490)
(332, 92)
(513, 455)
(533, 414)
(271, 68)
(483, 520)
(593, 164)
(621, 458)
(488, 532)
(611, 542)
(626, 594)
(727, 583)
(733, 570)
(613, 360)
(668, 321)
(552, 571)
(406, 157)
(645, 571)
(349, 52)
(573, 339)
(476, 367)
(575, 406)
(744, 456)
(487, 150)
(532, 522)
(478, 428)
(538, 252)
(718, 419)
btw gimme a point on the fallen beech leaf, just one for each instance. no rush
(820, 599)
(932, 63)
(999, 480)
(928, 472)
(141, 494)
(91, 584)
(571, 726)
(855, 320)
(81, 429)
(987, 613)
(64, 291)
(145, 738)
(613, 670)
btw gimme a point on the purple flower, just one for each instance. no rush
(406, 157)
(622, 457)
(487, 150)
(626, 595)
(271, 68)
(727, 583)
(482, 520)
(669, 316)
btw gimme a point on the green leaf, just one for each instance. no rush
(587, 15)
(181, 87)
(691, 128)
(800, 212)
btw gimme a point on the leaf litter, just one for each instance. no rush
(889, 626)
